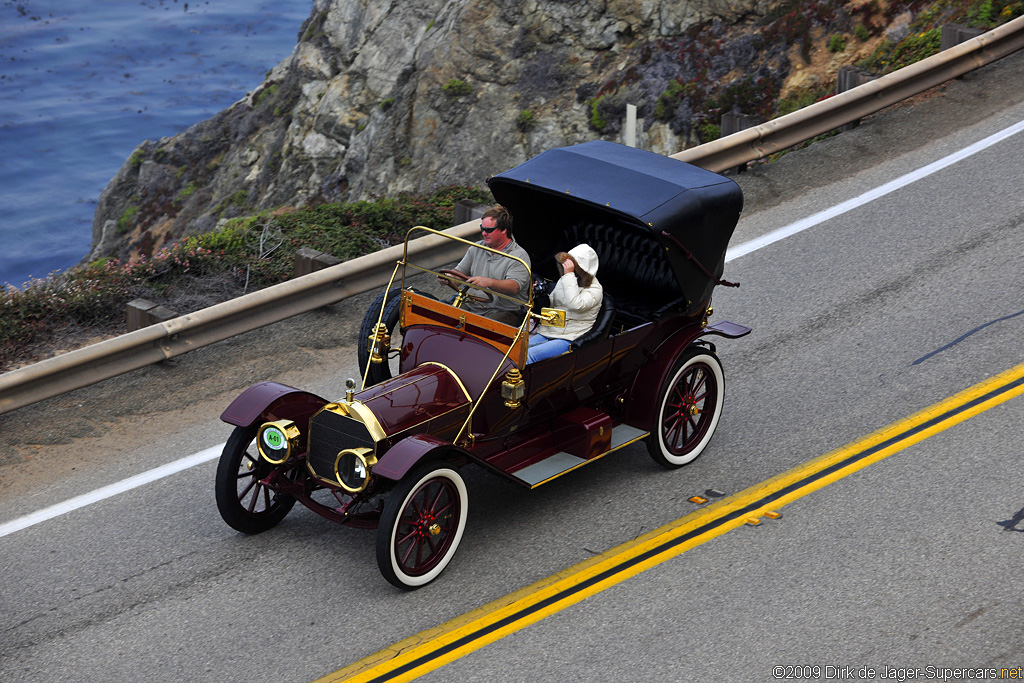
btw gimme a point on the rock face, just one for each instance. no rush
(385, 96)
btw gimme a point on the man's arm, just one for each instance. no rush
(509, 287)
(515, 282)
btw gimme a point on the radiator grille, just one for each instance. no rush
(330, 433)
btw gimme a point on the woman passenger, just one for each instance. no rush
(579, 293)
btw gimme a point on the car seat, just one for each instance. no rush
(601, 326)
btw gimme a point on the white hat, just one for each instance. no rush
(585, 257)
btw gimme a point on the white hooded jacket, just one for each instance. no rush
(581, 305)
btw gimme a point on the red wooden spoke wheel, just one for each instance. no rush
(421, 526)
(689, 408)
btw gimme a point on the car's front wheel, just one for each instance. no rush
(421, 526)
(244, 502)
(689, 407)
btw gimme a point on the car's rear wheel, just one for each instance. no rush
(389, 368)
(244, 502)
(689, 408)
(421, 526)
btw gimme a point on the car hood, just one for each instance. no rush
(428, 392)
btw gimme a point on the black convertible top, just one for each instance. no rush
(637, 206)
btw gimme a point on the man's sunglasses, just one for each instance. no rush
(488, 230)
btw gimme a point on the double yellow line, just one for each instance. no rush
(436, 647)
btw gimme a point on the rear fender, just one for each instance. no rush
(268, 401)
(644, 394)
(411, 451)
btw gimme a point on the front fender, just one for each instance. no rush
(409, 452)
(269, 401)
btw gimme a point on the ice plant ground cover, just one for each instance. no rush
(59, 312)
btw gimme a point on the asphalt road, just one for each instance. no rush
(858, 322)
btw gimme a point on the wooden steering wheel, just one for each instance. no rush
(450, 277)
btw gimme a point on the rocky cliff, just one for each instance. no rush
(382, 96)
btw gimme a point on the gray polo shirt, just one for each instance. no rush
(488, 264)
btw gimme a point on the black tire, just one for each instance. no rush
(388, 369)
(689, 408)
(382, 371)
(244, 503)
(426, 511)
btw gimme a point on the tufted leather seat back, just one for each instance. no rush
(632, 268)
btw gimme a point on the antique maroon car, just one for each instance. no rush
(444, 387)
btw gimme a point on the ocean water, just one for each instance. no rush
(83, 83)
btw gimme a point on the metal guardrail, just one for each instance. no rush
(134, 350)
(821, 117)
(112, 357)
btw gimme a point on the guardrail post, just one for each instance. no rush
(733, 122)
(309, 260)
(143, 313)
(629, 134)
(954, 34)
(467, 210)
(848, 78)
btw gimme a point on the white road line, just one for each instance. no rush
(733, 253)
(871, 195)
(128, 484)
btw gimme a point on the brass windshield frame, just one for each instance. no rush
(529, 271)
(521, 328)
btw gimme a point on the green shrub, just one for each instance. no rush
(982, 15)
(837, 43)
(665, 108)
(265, 93)
(801, 99)
(525, 121)
(708, 131)
(597, 121)
(1011, 11)
(456, 88)
(914, 48)
(188, 190)
(861, 32)
(127, 218)
(878, 60)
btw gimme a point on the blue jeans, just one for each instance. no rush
(541, 347)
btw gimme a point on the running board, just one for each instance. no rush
(559, 463)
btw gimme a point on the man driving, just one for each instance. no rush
(496, 272)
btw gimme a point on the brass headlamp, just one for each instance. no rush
(276, 441)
